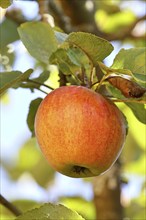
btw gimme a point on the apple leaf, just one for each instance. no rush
(138, 110)
(39, 39)
(134, 60)
(8, 26)
(27, 162)
(97, 49)
(129, 88)
(80, 205)
(72, 61)
(136, 167)
(78, 57)
(35, 83)
(123, 80)
(60, 58)
(32, 112)
(5, 3)
(50, 212)
(42, 77)
(10, 79)
(61, 37)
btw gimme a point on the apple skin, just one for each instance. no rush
(80, 132)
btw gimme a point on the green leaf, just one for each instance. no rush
(31, 160)
(5, 3)
(78, 57)
(24, 204)
(39, 39)
(28, 155)
(32, 112)
(9, 79)
(134, 60)
(116, 72)
(60, 58)
(42, 77)
(61, 37)
(44, 174)
(136, 167)
(72, 61)
(51, 212)
(138, 110)
(97, 49)
(113, 22)
(80, 205)
(8, 26)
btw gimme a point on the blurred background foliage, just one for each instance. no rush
(26, 178)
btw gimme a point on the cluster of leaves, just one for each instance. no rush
(78, 56)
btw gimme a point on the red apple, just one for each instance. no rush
(80, 132)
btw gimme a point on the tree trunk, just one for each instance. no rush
(107, 190)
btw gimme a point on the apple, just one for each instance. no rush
(80, 132)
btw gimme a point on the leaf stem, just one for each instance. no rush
(129, 100)
(40, 84)
(94, 84)
(10, 206)
(91, 76)
(42, 90)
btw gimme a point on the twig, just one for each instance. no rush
(10, 206)
(62, 20)
(62, 80)
(43, 7)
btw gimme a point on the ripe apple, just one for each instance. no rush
(80, 132)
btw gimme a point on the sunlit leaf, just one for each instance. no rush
(114, 22)
(97, 49)
(39, 39)
(5, 99)
(137, 139)
(28, 155)
(51, 212)
(138, 110)
(137, 166)
(134, 60)
(54, 78)
(25, 205)
(80, 205)
(141, 198)
(5, 3)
